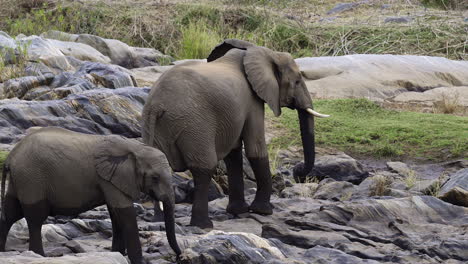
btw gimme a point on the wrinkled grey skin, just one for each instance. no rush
(54, 171)
(199, 113)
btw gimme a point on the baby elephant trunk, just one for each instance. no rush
(168, 204)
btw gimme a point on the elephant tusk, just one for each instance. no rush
(161, 206)
(317, 114)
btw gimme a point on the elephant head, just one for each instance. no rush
(133, 167)
(277, 80)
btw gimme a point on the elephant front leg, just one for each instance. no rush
(257, 154)
(118, 241)
(261, 169)
(202, 180)
(237, 204)
(125, 218)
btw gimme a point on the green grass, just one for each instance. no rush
(3, 156)
(361, 127)
(197, 41)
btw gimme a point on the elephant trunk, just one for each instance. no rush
(302, 169)
(169, 221)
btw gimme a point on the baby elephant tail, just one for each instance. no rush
(6, 169)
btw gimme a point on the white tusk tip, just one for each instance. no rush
(315, 113)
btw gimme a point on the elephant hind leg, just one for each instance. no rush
(202, 180)
(12, 213)
(35, 215)
(237, 204)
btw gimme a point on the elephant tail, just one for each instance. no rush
(5, 171)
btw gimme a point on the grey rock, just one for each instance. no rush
(340, 167)
(379, 76)
(43, 50)
(80, 51)
(98, 111)
(342, 7)
(58, 35)
(184, 189)
(6, 42)
(149, 57)
(117, 51)
(455, 190)
(187, 60)
(299, 190)
(403, 19)
(122, 54)
(400, 168)
(147, 76)
(221, 247)
(334, 190)
(109, 76)
(320, 254)
(83, 258)
(20, 86)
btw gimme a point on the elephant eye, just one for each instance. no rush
(298, 82)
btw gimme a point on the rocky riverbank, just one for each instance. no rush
(353, 211)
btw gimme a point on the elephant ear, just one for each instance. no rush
(262, 73)
(225, 46)
(115, 163)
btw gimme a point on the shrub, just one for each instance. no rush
(3, 156)
(446, 4)
(13, 62)
(448, 104)
(197, 41)
(380, 185)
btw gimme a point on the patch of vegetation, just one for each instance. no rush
(13, 61)
(171, 29)
(411, 179)
(448, 104)
(380, 186)
(361, 127)
(446, 4)
(197, 41)
(3, 156)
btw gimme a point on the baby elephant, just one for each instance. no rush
(54, 171)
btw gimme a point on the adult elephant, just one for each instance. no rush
(54, 171)
(199, 113)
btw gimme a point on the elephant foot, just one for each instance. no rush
(237, 208)
(264, 208)
(204, 223)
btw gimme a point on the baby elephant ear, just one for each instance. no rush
(115, 163)
(225, 46)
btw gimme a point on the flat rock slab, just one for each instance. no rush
(99, 111)
(455, 190)
(379, 76)
(82, 258)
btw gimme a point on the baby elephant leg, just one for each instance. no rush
(12, 213)
(125, 218)
(118, 241)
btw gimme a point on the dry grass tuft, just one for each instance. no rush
(411, 179)
(381, 186)
(448, 104)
